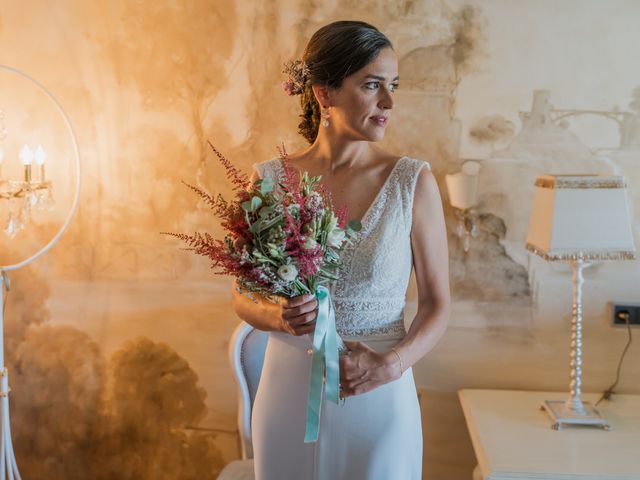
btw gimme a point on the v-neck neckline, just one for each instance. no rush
(367, 213)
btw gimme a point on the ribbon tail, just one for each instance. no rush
(325, 364)
(332, 363)
(314, 402)
(316, 382)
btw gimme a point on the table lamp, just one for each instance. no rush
(576, 219)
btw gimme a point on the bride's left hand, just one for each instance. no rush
(364, 369)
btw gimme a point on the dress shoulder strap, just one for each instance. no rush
(408, 180)
(413, 167)
(269, 168)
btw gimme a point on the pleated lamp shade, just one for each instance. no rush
(581, 216)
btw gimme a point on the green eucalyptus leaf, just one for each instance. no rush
(260, 225)
(266, 185)
(256, 202)
(354, 225)
(264, 211)
(272, 222)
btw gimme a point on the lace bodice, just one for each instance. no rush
(369, 296)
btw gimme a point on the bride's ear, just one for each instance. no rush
(322, 95)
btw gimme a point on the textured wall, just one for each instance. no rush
(116, 339)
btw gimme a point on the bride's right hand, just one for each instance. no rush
(297, 315)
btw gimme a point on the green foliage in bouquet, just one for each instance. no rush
(282, 238)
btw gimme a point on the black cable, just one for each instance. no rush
(609, 391)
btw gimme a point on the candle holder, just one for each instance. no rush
(467, 227)
(19, 197)
(463, 196)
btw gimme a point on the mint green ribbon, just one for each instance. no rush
(324, 363)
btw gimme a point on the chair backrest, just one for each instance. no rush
(246, 355)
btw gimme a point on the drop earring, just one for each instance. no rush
(325, 116)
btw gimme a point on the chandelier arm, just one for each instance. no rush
(76, 196)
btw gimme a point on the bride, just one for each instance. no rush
(346, 79)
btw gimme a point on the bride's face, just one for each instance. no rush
(362, 105)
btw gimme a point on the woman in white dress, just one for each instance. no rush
(346, 83)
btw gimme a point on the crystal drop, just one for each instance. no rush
(11, 229)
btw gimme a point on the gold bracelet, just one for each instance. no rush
(399, 358)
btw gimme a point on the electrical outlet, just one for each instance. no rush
(622, 309)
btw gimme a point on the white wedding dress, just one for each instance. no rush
(373, 436)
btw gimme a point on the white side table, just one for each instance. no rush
(513, 439)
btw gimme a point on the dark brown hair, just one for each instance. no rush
(333, 53)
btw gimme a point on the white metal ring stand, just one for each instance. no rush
(8, 466)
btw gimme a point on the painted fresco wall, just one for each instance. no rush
(116, 340)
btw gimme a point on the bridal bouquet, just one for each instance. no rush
(283, 239)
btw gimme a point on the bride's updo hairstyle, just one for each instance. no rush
(333, 53)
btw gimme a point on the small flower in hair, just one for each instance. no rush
(298, 73)
(288, 87)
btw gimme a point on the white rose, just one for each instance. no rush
(288, 272)
(310, 243)
(335, 238)
(294, 209)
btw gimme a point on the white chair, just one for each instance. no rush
(246, 355)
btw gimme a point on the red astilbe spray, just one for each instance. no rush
(204, 244)
(292, 184)
(308, 260)
(342, 212)
(270, 231)
(231, 217)
(239, 179)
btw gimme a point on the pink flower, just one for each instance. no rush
(287, 86)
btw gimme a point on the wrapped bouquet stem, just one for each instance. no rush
(327, 346)
(283, 239)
